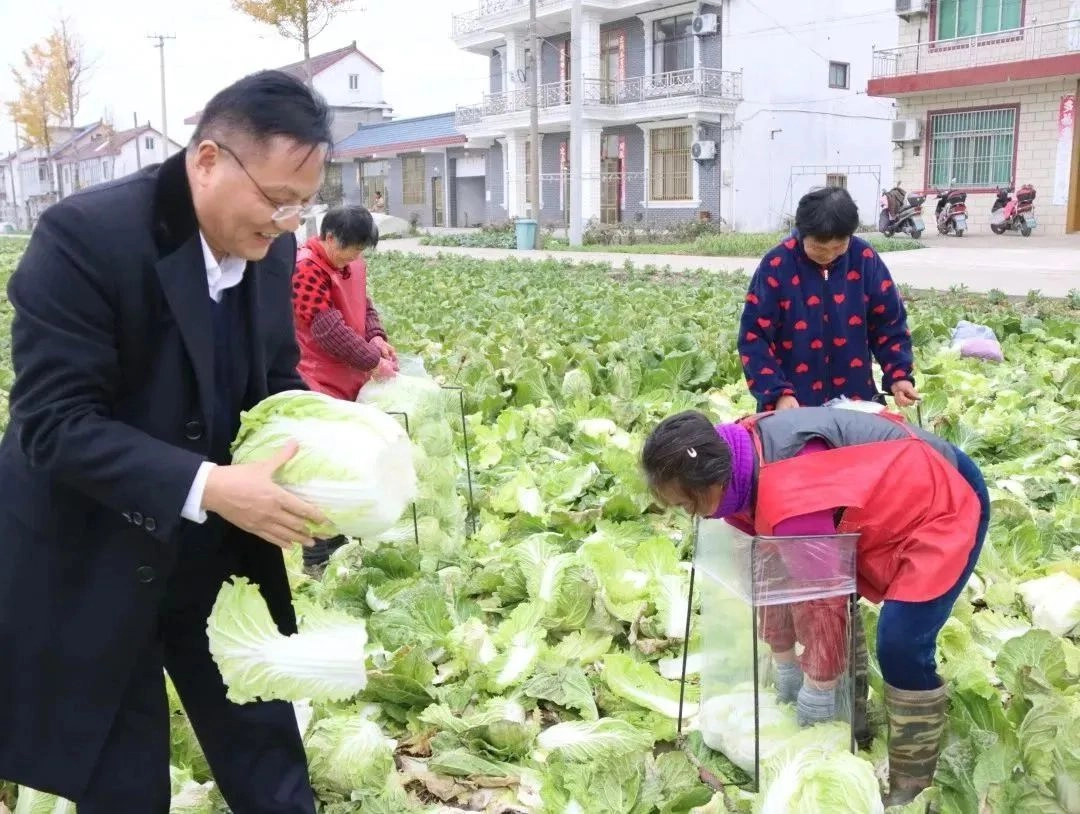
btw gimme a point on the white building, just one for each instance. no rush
(106, 155)
(349, 80)
(724, 110)
(986, 93)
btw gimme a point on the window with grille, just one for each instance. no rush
(673, 44)
(838, 75)
(669, 164)
(968, 18)
(836, 180)
(354, 81)
(976, 147)
(412, 179)
(371, 177)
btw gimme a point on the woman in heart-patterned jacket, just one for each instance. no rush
(820, 308)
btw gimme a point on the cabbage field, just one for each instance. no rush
(531, 663)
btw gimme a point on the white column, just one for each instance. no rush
(515, 59)
(589, 34)
(515, 174)
(589, 167)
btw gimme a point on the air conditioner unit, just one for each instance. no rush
(906, 130)
(912, 8)
(703, 150)
(706, 24)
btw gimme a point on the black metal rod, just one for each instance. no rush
(853, 608)
(468, 458)
(689, 617)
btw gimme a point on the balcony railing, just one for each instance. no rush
(699, 82)
(1000, 48)
(470, 21)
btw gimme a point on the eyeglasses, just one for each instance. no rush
(282, 212)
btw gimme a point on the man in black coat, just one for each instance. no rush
(148, 312)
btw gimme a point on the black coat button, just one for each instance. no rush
(136, 518)
(145, 573)
(150, 524)
(193, 430)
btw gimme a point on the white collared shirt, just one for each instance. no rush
(220, 276)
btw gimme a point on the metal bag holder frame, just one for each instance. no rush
(853, 608)
(470, 517)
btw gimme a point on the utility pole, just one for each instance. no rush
(164, 121)
(577, 91)
(534, 120)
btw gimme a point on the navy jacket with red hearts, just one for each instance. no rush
(811, 332)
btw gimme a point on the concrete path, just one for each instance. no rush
(1050, 266)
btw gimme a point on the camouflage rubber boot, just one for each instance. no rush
(860, 722)
(916, 723)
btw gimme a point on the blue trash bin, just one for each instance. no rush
(526, 234)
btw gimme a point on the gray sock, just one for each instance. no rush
(788, 681)
(815, 706)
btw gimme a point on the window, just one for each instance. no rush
(836, 180)
(669, 164)
(42, 171)
(838, 75)
(976, 147)
(673, 44)
(149, 142)
(968, 18)
(354, 81)
(412, 179)
(610, 48)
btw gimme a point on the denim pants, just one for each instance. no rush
(907, 631)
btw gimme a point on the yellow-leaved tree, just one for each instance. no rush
(299, 20)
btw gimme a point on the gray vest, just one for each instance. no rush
(785, 433)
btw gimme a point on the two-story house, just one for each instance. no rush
(719, 110)
(986, 96)
(349, 80)
(108, 154)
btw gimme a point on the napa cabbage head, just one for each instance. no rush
(354, 461)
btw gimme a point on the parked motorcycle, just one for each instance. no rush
(1014, 211)
(901, 212)
(951, 212)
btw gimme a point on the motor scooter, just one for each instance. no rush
(1014, 211)
(951, 211)
(901, 212)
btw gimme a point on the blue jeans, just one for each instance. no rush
(907, 631)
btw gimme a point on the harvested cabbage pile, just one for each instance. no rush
(355, 462)
(727, 725)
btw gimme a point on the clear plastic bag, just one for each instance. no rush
(977, 341)
(760, 597)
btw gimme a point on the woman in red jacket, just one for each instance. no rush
(342, 342)
(919, 505)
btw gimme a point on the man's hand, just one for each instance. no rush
(246, 496)
(787, 403)
(386, 350)
(387, 369)
(905, 394)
